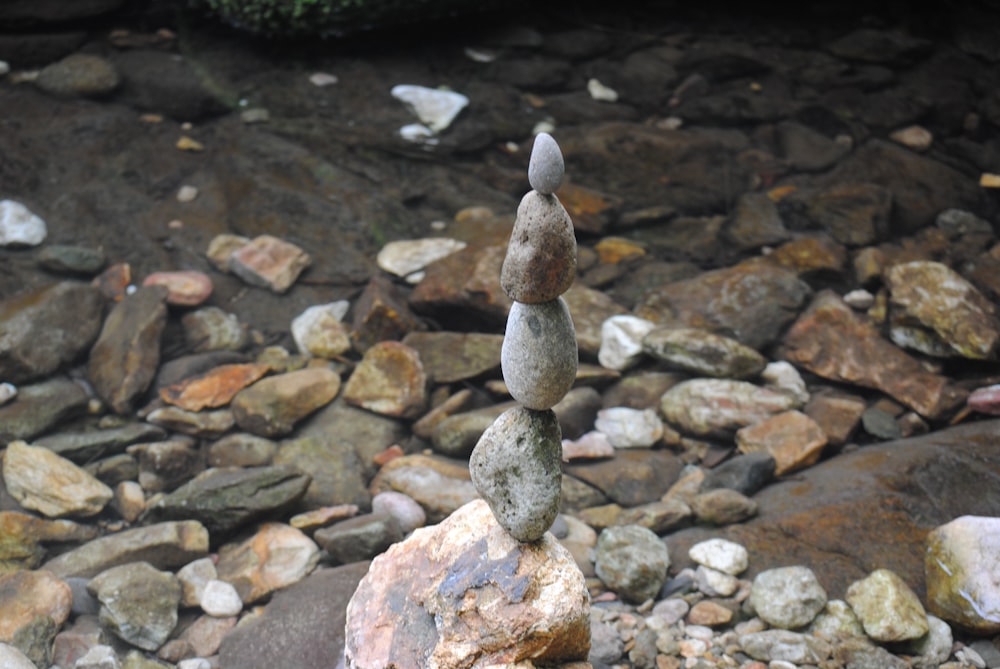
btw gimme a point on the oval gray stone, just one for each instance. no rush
(516, 467)
(546, 167)
(632, 561)
(541, 257)
(539, 356)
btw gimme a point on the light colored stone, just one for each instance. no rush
(220, 599)
(781, 645)
(390, 380)
(408, 514)
(319, 330)
(222, 247)
(272, 406)
(962, 571)
(269, 262)
(323, 79)
(184, 288)
(98, 657)
(546, 167)
(630, 428)
(194, 576)
(719, 407)
(591, 446)
(787, 597)
(540, 264)
(859, 299)
(783, 377)
(934, 648)
(722, 555)
(621, 341)
(20, 227)
(43, 481)
(631, 561)
(710, 614)
(8, 391)
(516, 468)
(212, 329)
(888, 609)
(275, 557)
(539, 357)
(600, 92)
(404, 257)
(465, 593)
(914, 137)
(129, 500)
(836, 621)
(435, 108)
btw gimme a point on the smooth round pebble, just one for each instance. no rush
(20, 227)
(220, 599)
(631, 561)
(408, 514)
(721, 555)
(546, 167)
(539, 356)
(517, 469)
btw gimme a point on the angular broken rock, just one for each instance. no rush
(466, 593)
(272, 406)
(42, 481)
(516, 467)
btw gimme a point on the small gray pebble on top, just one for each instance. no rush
(546, 167)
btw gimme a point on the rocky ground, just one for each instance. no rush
(236, 371)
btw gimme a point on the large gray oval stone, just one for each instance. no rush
(516, 468)
(539, 356)
(541, 257)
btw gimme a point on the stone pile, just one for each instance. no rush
(516, 464)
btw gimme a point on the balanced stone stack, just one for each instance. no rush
(516, 466)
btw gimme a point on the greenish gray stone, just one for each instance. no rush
(72, 259)
(703, 353)
(539, 357)
(334, 468)
(516, 467)
(359, 538)
(631, 561)
(79, 74)
(39, 407)
(82, 447)
(787, 597)
(138, 603)
(227, 498)
(887, 608)
(457, 435)
(35, 640)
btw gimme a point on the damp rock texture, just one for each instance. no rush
(515, 465)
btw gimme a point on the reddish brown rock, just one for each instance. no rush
(381, 314)
(184, 288)
(464, 593)
(272, 406)
(792, 438)
(276, 557)
(269, 262)
(541, 256)
(830, 340)
(838, 415)
(125, 358)
(811, 254)
(21, 536)
(466, 286)
(213, 389)
(25, 595)
(389, 380)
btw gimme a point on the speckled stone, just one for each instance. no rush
(541, 256)
(546, 167)
(539, 357)
(516, 468)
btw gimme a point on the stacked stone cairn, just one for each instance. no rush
(516, 466)
(489, 586)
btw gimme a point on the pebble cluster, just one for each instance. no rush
(516, 463)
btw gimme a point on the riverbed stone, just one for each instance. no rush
(138, 603)
(440, 485)
(45, 482)
(622, 341)
(390, 380)
(46, 329)
(516, 468)
(26, 595)
(480, 594)
(215, 388)
(320, 331)
(269, 262)
(272, 406)
(275, 557)
(40, 406)
(792, 438)
(124, 360)
(719, 407)
(787, 597)
(703, 353)
(888, 609)
(541, 256)
(962, 567)
(19, 226)
(539, 357)
(448, 357)
(631, 561)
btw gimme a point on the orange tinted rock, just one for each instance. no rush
(25, 595)
(269, 262)
(389, 380)
(213, 389)
(185, 289)
(793, 439)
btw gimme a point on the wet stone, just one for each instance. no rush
(721, 555)
(164, 545)
(703, 353)
(163, 465)
(46, 329)
(138, 603)
(318, 331)
(241, 450)
(123, 362)
(184, 288)
(359, 538)
(723, 506)
(276, 557)
(629, 428)
(887, 608)
(22, 537)
(40, 407)
(539, 357)
(961, 566)
(390, 380)
(82, 447)
(405, 257)
(439, 485)
(541, 256)
(381, 313)
(787, 597)
(632, 477)
(272, 406)
(516, 468)
(226, 499)
(455, 356)
(212, 329)
(207, 424)
(221, 249)
(213, 389)
(719, 407)
(631, 561)
(743, 473)
(269, 262)
(42, 481)
(26, 595)
(792, 438)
